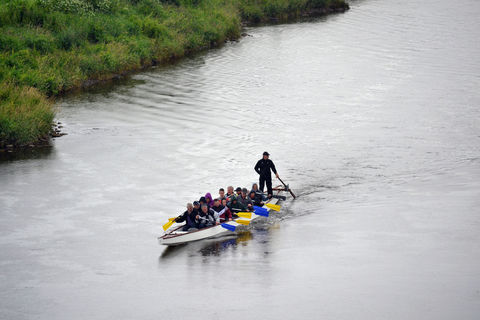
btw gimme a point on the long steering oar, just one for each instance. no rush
(168, 224)
(287, 188)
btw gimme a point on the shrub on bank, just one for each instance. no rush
(25, 115)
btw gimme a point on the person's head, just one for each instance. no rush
(239, 190)
(208, 198)
(230, 189)
(255, 187)
(202, 200)
(244, 192)
(204, 208)
(252, 195)
(189, 207)
(266, 155)
(221, 192)
(216, 202)
(224, 202)
(196, 205)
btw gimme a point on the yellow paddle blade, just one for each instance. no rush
(247, 215)
(272, 206)
(170, 219)
(244, 222)
(168, 224)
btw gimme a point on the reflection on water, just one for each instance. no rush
(39, 153)
(209, 246)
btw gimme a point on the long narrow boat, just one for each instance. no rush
(176, 236)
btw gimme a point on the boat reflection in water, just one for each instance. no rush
(208, 247)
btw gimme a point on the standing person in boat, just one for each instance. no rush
(189, 218)
(219, 211)
(263, 168)
(205, 218)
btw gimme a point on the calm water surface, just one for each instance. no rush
(373, 118)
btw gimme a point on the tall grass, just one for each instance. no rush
(25, 115)
(57, 45)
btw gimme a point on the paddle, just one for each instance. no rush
(247, 215)
(228, 227)
(260, 211)
(244, 222)
(168, 224)
(274, 207)
(287, 188)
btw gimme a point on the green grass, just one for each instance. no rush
(25, 115)
(57, 45)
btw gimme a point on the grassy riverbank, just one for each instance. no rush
(51, 46)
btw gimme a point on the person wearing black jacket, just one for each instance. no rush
(189, 218)
(206, 218)
(263, 168)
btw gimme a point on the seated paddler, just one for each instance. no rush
(189, 218)
(235, 206)
(220, 211)
(244, 199)
(206, 218)
(230, 193)
(256, 201)
(228, 213)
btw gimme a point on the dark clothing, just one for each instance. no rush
(257, 200)
(263, 168)
(236, 206)
(206, 220)
(268, 180)
(244, 201)
(259, 196)
(230, 196)
(189, 219)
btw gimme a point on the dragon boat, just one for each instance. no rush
(176, 236)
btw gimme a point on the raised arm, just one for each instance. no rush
(181, 218)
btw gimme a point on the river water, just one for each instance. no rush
(371, 116)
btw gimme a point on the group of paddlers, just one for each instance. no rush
(207, 212)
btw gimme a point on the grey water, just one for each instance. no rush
(372, 117)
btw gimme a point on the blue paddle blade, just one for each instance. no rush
(228, 226)
(260, 209)
(261, 213)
